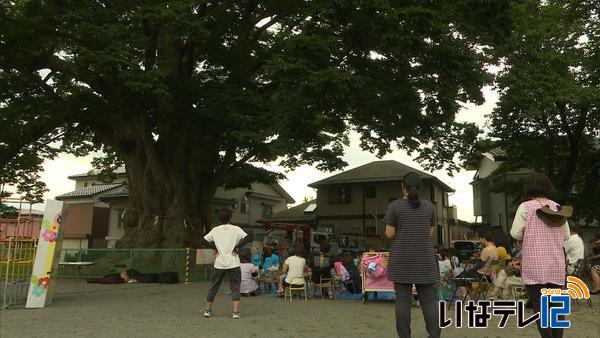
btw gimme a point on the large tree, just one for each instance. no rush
(188, 94)
(548, 115)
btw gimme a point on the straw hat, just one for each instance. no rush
(555, 218)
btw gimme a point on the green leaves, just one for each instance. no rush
(547, 117)
(201, 89)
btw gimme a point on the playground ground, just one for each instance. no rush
(153, 310)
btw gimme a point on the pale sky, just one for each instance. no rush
(56, 171)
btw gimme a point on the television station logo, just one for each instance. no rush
(479, 313)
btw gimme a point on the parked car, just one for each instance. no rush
(465, 249)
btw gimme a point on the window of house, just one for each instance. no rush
(431, 192)
(444, 199)
(340, 194)
(370, 192)
(244, 206)
(440, 232)
(267, 210)
(85, 184)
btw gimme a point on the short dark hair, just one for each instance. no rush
(324, 246)
(537, 185)
(486, 234)
(245, 255)
(224, 216)
(297, 251)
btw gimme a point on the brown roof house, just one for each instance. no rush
(95, 210)
(86, 221)
(355, 201)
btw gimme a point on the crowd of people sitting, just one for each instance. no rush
(294, 266)
(498, 259)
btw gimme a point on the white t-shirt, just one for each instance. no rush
(226, 237)
(295, 269)
(574, 248)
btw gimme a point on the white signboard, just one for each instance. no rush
(42, 282)
(205, 256)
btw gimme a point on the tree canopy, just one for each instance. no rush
(189, 94)
(548, 116)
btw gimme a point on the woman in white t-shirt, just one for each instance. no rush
(293, 269)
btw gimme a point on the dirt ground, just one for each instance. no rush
(152, 310)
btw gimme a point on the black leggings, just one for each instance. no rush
(429, 307)
(535, 292)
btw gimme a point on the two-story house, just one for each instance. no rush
(95, 209)
(355, 201)
(495, 206)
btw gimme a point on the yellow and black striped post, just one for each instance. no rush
(187, 266)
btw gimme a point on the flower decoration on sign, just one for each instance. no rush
(44, 282)
(46, 224)
(38, 290)
(49, 236)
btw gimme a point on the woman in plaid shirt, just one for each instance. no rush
(543, 258)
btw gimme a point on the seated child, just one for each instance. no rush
(445, 265)
(248, 286)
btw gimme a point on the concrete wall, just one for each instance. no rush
(115, 229)
(73, 243)
(78, 222)
(499, 208)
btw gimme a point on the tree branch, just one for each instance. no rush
(563, 119)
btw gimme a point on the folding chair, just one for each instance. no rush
(295, 287)
(485, 280)
(481, 280)
(349, 285)
(325, 283)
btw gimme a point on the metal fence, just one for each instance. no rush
(96, 263)
(16, 265)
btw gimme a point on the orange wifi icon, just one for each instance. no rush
(577, 289)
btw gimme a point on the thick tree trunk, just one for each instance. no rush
(169, 197)
(166, 213)
(566, 183)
